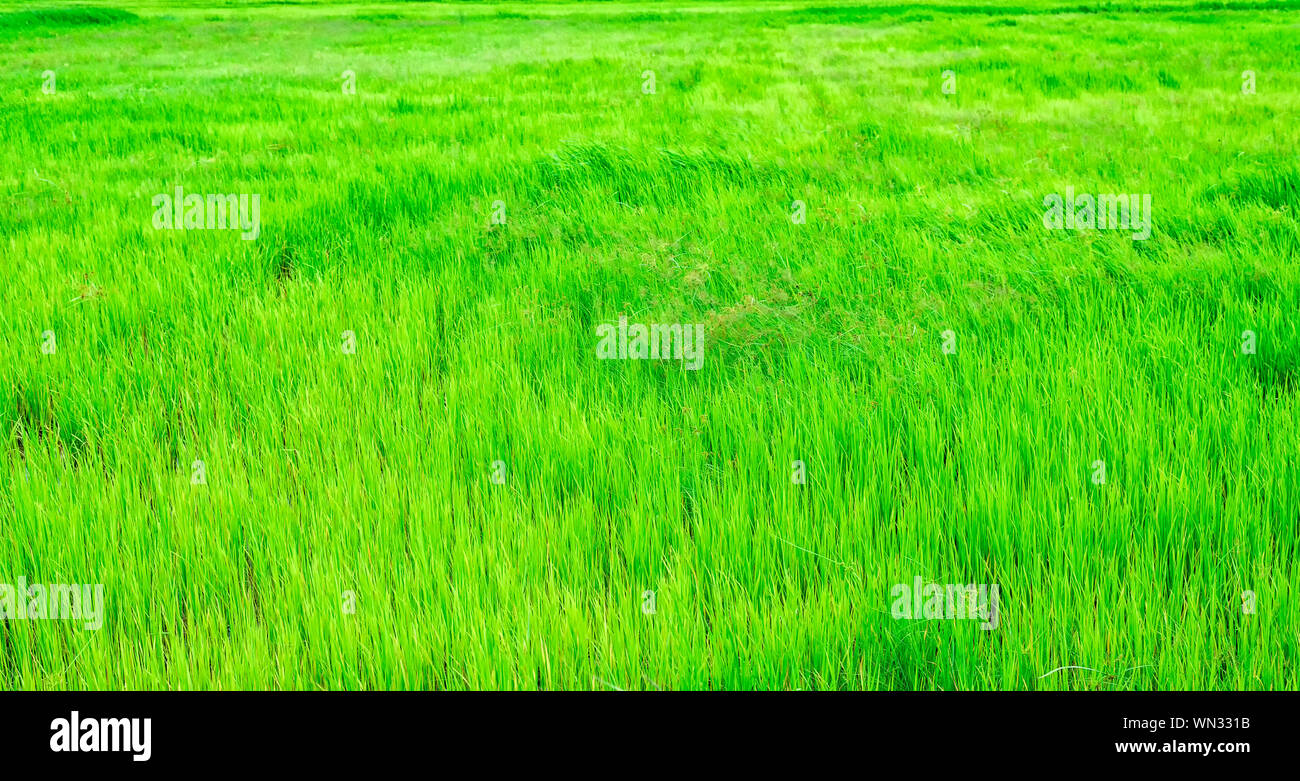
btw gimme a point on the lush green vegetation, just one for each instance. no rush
(327, 472)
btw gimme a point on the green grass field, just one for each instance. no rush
(348, 528)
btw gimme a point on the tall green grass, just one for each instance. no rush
(371, 473)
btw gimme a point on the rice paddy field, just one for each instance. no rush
(376, 440)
